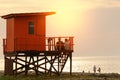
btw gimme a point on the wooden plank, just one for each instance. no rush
(8, 66)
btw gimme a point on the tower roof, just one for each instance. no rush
(27, 14)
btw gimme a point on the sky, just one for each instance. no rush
(95, 24)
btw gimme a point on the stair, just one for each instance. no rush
(62, 61)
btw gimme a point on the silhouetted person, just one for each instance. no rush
(59, 45)
(99, 70)
(94, 69)
(67, 44)
(83, 71)
(49, 44)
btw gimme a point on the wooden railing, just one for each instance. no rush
(59, 43)
(50, 44)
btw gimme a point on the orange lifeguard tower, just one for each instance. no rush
(27, 48)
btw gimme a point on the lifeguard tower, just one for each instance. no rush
(26, 47)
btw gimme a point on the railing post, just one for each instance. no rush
(54, 45)
(15, 44)
(71, 43)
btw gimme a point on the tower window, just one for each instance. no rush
(31, 27)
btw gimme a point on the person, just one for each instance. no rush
(49, 43)
(59, 45)
(94, 69)
(67, 44)
(99, 70)
(83, 71)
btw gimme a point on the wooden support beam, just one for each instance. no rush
(45, 64)
(26, 70)
(39, 63)
(16, 64)
(70, 63)
(37, 66)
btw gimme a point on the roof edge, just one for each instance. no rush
(27, 14)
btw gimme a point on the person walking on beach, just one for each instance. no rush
(99, 70)
(94, 69)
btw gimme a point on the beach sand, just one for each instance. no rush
(64, 76)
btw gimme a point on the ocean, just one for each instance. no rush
(108, 64)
